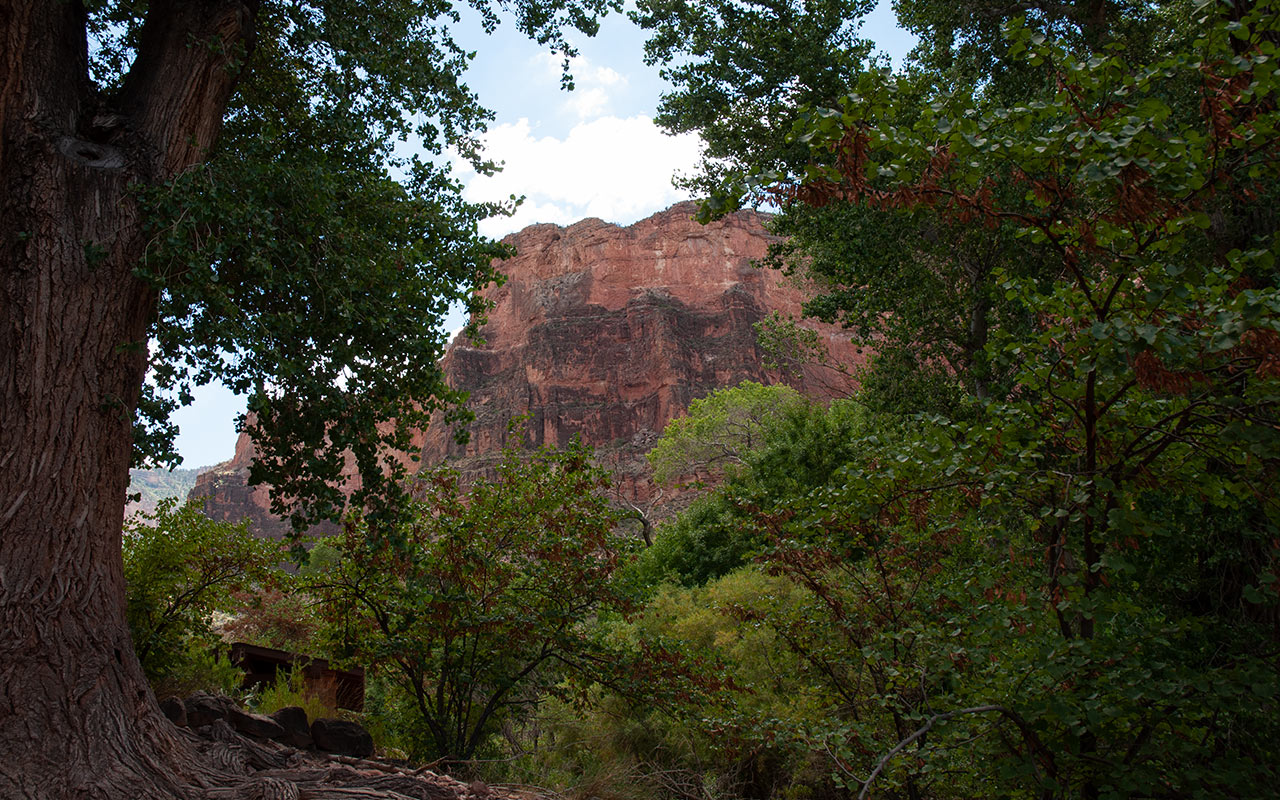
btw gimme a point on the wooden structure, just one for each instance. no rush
(336, 688)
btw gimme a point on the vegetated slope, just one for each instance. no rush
(601, 332)
(153, 485)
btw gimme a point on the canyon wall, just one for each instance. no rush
(228, 497)
(602, 332)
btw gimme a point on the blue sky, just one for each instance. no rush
(593, 152)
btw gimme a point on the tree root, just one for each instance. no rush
(266, 770)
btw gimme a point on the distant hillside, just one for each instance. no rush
(156, 484)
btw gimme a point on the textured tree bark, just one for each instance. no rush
(77, 718)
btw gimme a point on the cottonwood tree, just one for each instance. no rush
(720, 431)
(211, 176)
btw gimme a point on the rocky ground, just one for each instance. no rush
(284, 756)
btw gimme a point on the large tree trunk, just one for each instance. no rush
(77, 718)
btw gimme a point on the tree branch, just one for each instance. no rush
(190, 58)
(936, 718)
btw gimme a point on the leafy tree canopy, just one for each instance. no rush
(743, 70)
(309, 259)
(721, 430)
(783, 447)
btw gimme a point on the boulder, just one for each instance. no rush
(342, 737)
(175, 710)
(257, 725)
(297, 731)
(203, 708)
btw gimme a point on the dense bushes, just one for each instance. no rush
(473, 611)
(181, 568)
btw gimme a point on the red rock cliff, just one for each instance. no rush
(603, 332)
(228, 496)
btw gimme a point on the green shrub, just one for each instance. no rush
(474, 609)
(731, 742)
(181, 567)
(200, 668)
(290, 689)
(777, 458)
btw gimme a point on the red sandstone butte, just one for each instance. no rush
(603, 332)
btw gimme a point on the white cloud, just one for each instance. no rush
(593, 85)
(619, 170)
(605, 76)
(588, 103)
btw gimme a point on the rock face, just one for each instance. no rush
(606, 333)
(228, 497)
